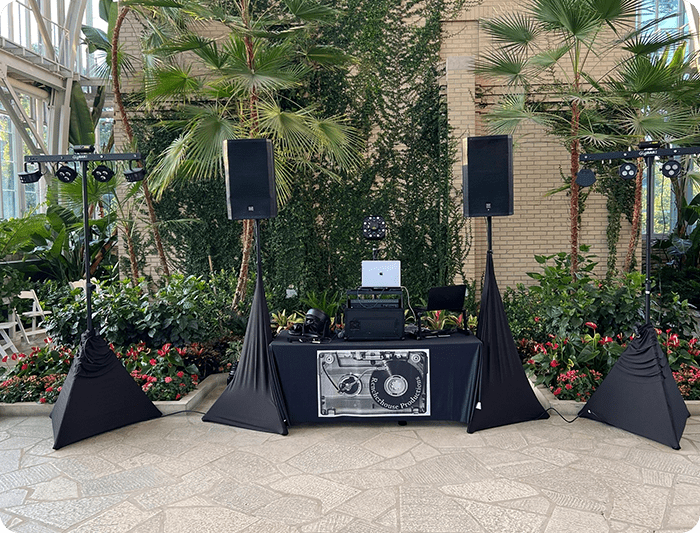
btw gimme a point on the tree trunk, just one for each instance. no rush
(130, 137)
(636, 216)
(574, 208)
(248, 225)
(242, 283)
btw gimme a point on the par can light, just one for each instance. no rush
(102, 173)
(671, 168)
(627, 171)
(66, 174)
(585, 177)
(374, 228)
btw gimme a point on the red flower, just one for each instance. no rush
(4, 359)
(180, 374)
(153, 362)
(537, 319)
(167, 379)
(25, 366)
(557, 391)
(568, 386)
(530, 361)
(554, 363)
(178, 396)
(165, 349)
(49, 389)
(42, 400)
(592, 325)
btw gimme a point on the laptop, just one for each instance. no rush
(381, 274)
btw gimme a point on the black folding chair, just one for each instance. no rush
(449, 298)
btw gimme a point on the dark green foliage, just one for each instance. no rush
(184, 310)
(205, 239)
(52, 244)
(395, 99)
(561, 304)
(685, 283)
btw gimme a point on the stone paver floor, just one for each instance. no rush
(178, 474)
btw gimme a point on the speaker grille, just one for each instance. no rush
(488, 176)
(250, 179)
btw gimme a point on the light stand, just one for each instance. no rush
(84, 154)
(649, 150)
(639, 393)
(98, 394)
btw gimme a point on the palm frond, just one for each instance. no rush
(548, 58)
(171, 82)
(512, 30)
(503, 64)
(310, 11)
(512, 111)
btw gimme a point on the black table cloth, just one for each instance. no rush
(434, 378)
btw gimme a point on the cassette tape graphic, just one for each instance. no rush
(373, 382)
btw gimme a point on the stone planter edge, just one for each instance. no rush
(188, 402)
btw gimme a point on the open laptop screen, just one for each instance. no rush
(381, 273)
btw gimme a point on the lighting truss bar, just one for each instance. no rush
(67, 158)
(647, 152)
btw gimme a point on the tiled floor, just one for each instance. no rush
(178, 474)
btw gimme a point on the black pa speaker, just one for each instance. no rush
(250, 179)
(488, 176)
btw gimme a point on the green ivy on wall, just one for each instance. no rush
(395, 97)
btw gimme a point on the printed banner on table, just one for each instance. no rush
(373, 382)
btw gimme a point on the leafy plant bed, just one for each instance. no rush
(39, 376)
(188, 402)
(573, 367)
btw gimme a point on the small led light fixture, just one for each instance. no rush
(134, 174)
(66, 174)
(671, 168)
(30, 176)
(317, 324)
(627, 171)
(585, 177)
(373, 228)
(102, 173)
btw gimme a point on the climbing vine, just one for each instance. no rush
(393, 94)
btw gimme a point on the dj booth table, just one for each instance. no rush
(435, 378)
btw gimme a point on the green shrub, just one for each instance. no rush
(184, 310)
(561, 304)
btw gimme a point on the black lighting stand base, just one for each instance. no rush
(253, 400)
(506, 396)
(98, 395)
(639, 394)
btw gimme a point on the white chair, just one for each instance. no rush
(80, 284)
(36, 315)
(7, 329)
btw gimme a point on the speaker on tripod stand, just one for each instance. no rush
(487, 177)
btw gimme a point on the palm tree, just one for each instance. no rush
(240, 96)
(549, 56)
(654, 96)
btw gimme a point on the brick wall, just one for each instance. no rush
(540, 224)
